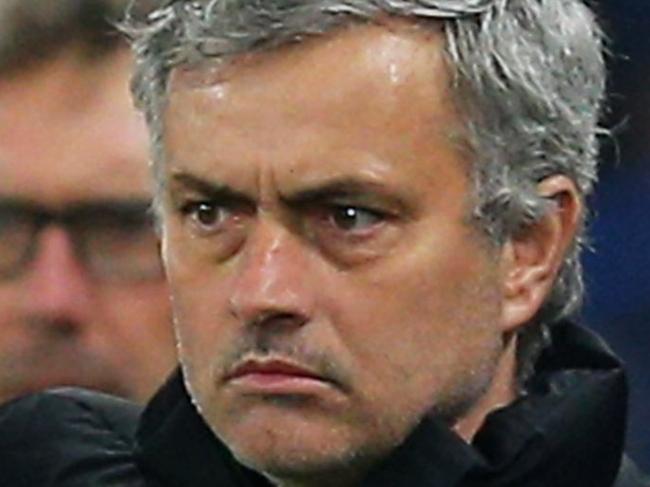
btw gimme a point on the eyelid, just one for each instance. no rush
(227, 216)
(366, 238)
(376, 210)
(231, 204)
(331, 219)
(189, 187)
(343, 198)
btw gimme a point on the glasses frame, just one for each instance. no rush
(76, 219)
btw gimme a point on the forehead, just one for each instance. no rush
(68, 132)
(395, 54)
(371, 98)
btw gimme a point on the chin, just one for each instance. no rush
(298, 447)
(287, 462)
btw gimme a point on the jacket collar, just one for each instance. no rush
(566, 430)
(175, 446)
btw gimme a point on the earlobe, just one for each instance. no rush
(531, 260)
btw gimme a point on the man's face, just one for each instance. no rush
(328, 289)
(71, 144)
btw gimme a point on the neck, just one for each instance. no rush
(346, 479)
(500, 393)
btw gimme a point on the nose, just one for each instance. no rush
(272, 283)
(59, 295)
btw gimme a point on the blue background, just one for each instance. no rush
(618, 268)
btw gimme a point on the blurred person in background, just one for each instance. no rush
(82, 295)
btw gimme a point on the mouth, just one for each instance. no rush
(32, 372)
(276, 377)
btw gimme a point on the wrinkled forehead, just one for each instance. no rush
(302, 108)
(301, 100)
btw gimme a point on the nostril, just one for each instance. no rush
(277, 319)
(64, 328)
(57, 328)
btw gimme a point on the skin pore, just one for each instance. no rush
(328, 290)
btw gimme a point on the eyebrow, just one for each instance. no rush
(211, 189)
(341, 188)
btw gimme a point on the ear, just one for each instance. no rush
(530, 261)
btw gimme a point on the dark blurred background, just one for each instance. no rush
(618, 267)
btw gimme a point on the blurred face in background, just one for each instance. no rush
(82, 296)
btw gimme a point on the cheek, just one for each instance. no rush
(200, 290)
(202, 329)
(138, 310)
(414, 333)
(13, 306)
(137, 325)
(194, 342)
(193, 327)
(14, 335)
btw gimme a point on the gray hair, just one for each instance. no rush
(529, 78)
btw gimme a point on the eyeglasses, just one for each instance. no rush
(115, 240)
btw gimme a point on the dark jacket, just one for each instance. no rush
(566, 431)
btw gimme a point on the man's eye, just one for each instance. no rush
(352, 218)
(206, 215)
